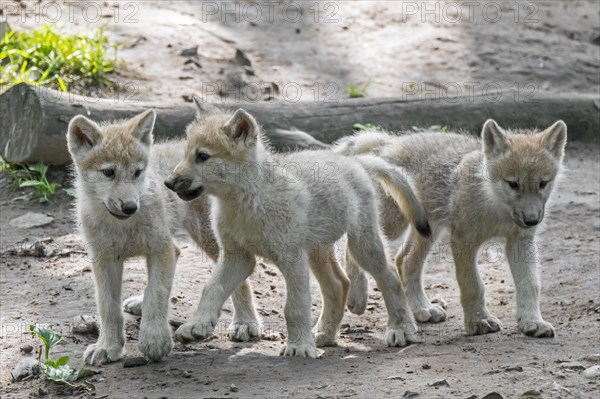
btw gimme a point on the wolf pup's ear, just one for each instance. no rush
(203, 107)
(555, 138)
(143, 125)
(242, 127)
(82, 135)
(494, 139)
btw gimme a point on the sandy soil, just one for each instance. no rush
(371, 42)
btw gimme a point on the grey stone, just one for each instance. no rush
(31, 219)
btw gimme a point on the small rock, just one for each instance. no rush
(592, 372)
(493, 395)
(42, 391)
(187, 374)
(241, 58)
(441, 383)
(595, 358)
(189, 52)
(233, 388)
(532, 393)
(410, 395)
(395, 377)
(27, 366)
(85, 324)
(26, 349)
(31, 219)
(426, 367)
(573, 366)
(134, 362)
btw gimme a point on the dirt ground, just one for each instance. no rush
(373, 42)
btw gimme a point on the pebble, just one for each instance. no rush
(31, 219)
(573, 366)
(233, 388)
(426, 367)
(85, 324)
(493, 395)
(26, 367)
(441, 383)
(134, 362)
(26, 349)
(592, 372)
(532, 393)
(410, 395)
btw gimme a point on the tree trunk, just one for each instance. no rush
(33, 120)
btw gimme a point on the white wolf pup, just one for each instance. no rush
(479, 190)
(290, 209)
(125, 211)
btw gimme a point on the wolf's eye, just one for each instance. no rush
(108, 172)
(543, 184)
(512, 184)
(201, 156)
(137, 173)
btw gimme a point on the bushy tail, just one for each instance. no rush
(395, 182)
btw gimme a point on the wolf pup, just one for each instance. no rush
(290, 209)
(125, 211)
(479, 190)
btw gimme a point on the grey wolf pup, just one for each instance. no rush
(125, 211)
(290, 209)
(494, 188)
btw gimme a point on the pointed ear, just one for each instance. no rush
(83, 134)
(143, 125)
(242, 127)
(202, 106)
(555, 138)
(494, 139)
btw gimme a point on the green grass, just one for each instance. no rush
(357, 92)
(33, 179)
(54, 59)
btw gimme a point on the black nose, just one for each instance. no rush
(531, 223)
(170, 184)
(178, 184)
(129, 208)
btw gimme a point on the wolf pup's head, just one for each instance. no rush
(110, 160)
(521, 169)
(219, 147)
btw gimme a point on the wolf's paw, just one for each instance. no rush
(133, 305)
(484, 325)
(324, 339)
(401, 336)
(431, 314)
(242, 332)
(98, 354)
(537, 328)
(300, 349)
(155, 341)
(194, 331)
(358, 294)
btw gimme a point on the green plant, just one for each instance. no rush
(48, 57)
(33, 177)
(359, 127)
(356, 92)
(59, 370)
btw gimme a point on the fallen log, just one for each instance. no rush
(33, 120)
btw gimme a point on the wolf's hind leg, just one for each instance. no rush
(334, 289)
(410, 261)
(366, 247)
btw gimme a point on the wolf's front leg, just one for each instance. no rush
(478, 320)
(155, 333)
(108, 276)
(230, 272)
(300, 340)
(522, 258)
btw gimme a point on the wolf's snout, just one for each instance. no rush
(129, 208)
(178, 184)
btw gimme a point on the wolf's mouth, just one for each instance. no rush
(120, 217)
(189, 195)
